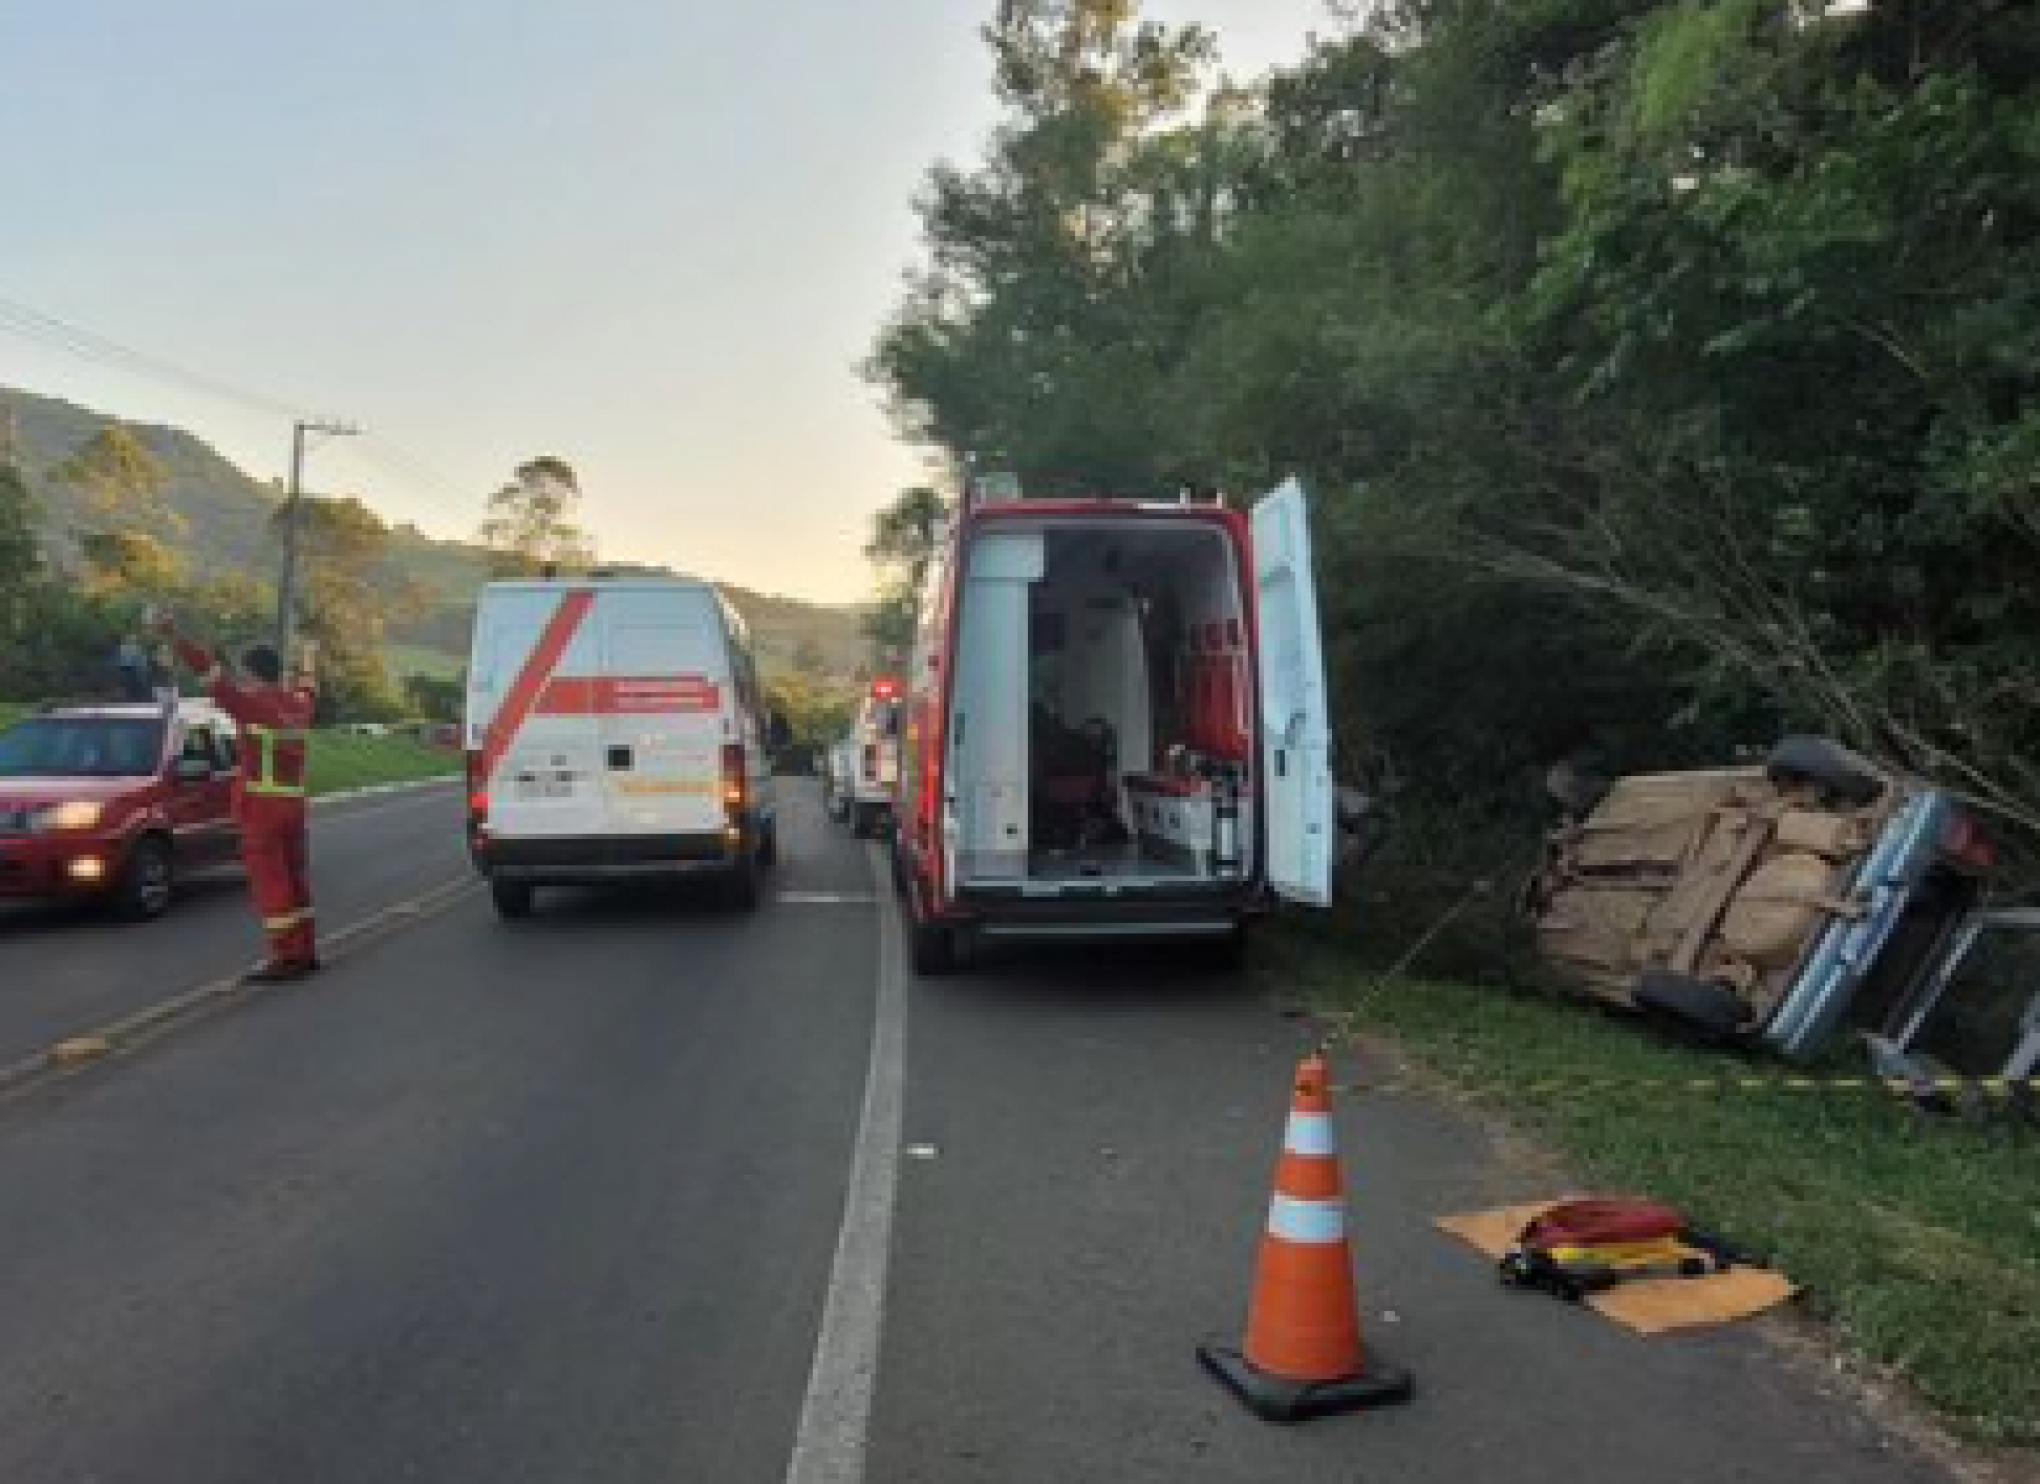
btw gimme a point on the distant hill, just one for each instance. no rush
(227, 513)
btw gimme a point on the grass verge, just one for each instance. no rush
(1915, 1236)
(340, 762)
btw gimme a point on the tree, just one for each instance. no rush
(20, 564)
(130, 562)
(348, 604)
(435, 697)
(530, 525)
(117, 480)
(808, 660)
(903, 538)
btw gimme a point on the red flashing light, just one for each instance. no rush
(885, 688)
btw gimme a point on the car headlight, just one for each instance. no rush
(78, 815)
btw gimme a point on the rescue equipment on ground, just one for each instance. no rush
(1580, 1247)
(1303, 1355)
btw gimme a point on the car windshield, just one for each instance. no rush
(81, 747)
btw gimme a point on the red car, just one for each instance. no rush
(115, 801)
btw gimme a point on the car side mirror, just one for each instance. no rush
(192, 770)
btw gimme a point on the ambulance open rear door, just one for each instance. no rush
(1296, 771)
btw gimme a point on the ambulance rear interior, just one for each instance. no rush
(624, 755)
(1128, 721)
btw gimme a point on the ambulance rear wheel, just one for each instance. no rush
(513, 899)
(935, 947)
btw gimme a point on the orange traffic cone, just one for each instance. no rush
(1303, 1356)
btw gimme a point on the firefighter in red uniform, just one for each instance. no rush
(269, 802)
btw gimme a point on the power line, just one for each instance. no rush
(28, 323)
(46, 329)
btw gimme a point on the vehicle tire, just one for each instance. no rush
(741, 888)
(513, 899)
(931, 944)
(1710, 1012)
(1828, 766)
(1231, 953)
(148, 880)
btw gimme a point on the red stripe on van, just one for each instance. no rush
(630, 695)
(531, 680)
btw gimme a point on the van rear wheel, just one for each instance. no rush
(513, 899)
(740, 887)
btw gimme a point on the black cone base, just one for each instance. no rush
(1273, 1399)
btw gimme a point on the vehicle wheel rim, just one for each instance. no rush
(153, 887)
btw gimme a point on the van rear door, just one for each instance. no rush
(665, 709)
(1296, 735)
(539, 763)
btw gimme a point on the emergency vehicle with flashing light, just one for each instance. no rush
(615, 729)
(872, 759)
(116, 802)
(1117, 725)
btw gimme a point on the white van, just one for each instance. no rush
(1117, 725)
(614, 730)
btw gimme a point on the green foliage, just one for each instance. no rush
(118, 479)
(338, 762)
(129, 562)
(817, 712)
(435, 697)
(1912, 1234)
(903, 537)
(1664, 373)
(344, 546)
(20, 556)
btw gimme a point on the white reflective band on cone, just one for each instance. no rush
(1308, 1133)
(1306, 1221)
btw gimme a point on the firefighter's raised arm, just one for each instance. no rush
(207, 664)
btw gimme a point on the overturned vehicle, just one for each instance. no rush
(1775, 906)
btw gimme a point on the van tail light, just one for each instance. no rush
(733, 777)
(478, 790)
(1965, 843)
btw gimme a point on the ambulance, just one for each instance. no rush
(872, 759)
(1116, 725)
(615, 730)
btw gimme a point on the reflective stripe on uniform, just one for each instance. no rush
(287, 921)
(1306, 1221)
(264, 782)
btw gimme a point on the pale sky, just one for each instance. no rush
(654, 237)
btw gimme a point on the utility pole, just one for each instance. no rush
(293, 523)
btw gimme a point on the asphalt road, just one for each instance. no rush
(582, 1199)
(67, 968)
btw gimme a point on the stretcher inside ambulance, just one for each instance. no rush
(1120, 723)
(614, 729)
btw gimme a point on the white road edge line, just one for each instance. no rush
(835, 1415)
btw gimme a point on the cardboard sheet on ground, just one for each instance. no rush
(1648, 1306)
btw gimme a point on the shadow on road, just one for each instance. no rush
(21, 919)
